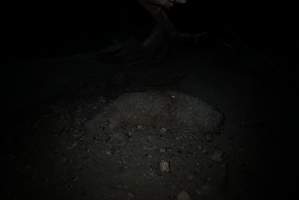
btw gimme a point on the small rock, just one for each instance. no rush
(109, 153)
(183, 196)
(217, 156)
(164, 166)
(163, 130)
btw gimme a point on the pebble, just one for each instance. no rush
(217, 156)
(183, 196)
(164, 166)
(163, 130)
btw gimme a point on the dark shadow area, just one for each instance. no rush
(61, 104)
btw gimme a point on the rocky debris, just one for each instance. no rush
(164, 166)
(108, 152)
(163, 130)
(217, 156)
(183, 195)
(130, 136)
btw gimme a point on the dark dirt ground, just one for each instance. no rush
(51, 154)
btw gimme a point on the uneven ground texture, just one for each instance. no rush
(195, 126)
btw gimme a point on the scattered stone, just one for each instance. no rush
(109, 153)
(183, 196)
(164, 166)
(163, 130)
(217, 156)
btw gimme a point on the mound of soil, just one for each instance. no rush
(157, 145)
(169, 110)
